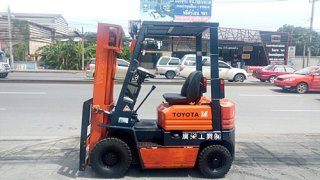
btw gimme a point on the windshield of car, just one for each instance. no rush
(2, 57)
(269, 67)
(306, 70)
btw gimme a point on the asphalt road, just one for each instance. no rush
(278, 134)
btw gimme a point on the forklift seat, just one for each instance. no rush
(191, 91)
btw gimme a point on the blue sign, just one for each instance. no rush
(193, 10)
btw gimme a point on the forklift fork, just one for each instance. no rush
(86, 112)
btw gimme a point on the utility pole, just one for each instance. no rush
(82, 45)
(310, 31)
(10, 39)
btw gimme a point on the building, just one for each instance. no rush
(43, 29)
(238, 47)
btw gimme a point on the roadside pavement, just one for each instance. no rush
(79, 77)
(268, 157)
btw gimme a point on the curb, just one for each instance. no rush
(54, 81)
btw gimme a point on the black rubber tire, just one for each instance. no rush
(272, 78)
(170, 74)
(239, 77)
(220, 167)
(302, 88)
(111, 158)
(3, 75)
(262, 80)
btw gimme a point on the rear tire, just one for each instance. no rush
(214, 161)
(272, 78)
(170, 74)
(302, 88)
(111, 158)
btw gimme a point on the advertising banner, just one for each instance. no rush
(175, 10)
(275, 46)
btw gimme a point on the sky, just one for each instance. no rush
(245, 14)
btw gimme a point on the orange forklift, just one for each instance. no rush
(192, 130)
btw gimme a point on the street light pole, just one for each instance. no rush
(82, 46)
(10, 39)
(310, 31)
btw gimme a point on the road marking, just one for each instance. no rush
(269, 95)
(24, 93)
(3, 109)
(297, 110)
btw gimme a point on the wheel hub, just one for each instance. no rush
(110, 159)
(216, 162)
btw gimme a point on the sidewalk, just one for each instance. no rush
(79, 77)
(284, 157)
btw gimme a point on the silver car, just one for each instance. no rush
(122, 68)
(167, 66)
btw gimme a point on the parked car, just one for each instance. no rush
(270, 72)
(122, 68)
(188, 65)
(4, 66)
(301, 81)
(167, 66)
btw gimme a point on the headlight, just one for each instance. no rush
(290, 79)
(2, 67)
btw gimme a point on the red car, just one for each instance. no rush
(270, 72)
(302, 81)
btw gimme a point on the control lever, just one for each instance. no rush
(145, 98)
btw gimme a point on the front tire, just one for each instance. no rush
(214, 161)
(170, 74)
(239, 78)
(302, 88)
(111, 158)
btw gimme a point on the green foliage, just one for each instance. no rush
(67, 55)
(62, 55)
(125, 53)
(21, 49)
(300, 36)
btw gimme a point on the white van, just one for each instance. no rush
(226, 72)
(167, 66)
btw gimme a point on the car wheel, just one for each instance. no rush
(271, 79)
(214, 161)
(111, 158)
(239, 78)
(302, 88)
(170, 74)
(3, 75)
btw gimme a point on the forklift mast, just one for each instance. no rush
(109, 43)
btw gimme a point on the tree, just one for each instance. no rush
(21, 49)
(62, 55)
(300, 37)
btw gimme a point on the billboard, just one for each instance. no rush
(175, 10)
(275, 46)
